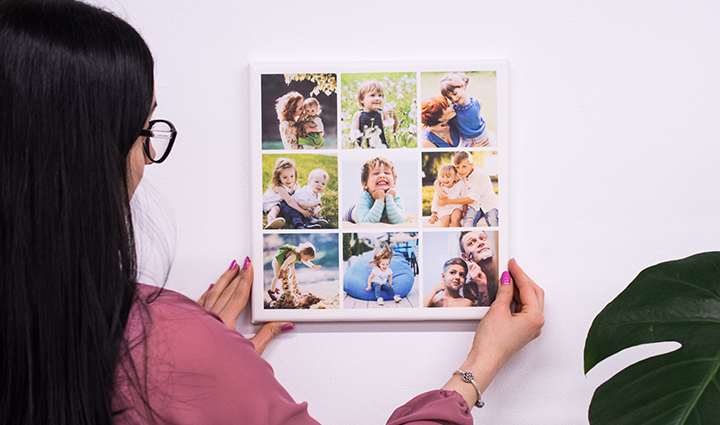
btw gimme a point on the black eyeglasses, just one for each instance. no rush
(160, 138)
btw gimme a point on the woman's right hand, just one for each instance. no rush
(502, 332)
(481, 144)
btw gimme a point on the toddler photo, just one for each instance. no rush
(379, 111)
(381, 270)
(301, 271)
(288, 204)
(379, 191)
(458, 109)
(462, 186)
(299, 111)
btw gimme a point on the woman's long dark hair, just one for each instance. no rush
(76, 86)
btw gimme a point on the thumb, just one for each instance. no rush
(267, 333)
(505, 291)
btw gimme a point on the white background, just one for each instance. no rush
(614, 112)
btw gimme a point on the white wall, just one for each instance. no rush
(614, 109)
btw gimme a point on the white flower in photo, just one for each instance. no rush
(355, 134)
(412, 128)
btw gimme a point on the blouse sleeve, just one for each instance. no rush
(288, 133)
(433, 407)
(200, 371)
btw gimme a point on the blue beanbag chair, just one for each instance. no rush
(356, 277)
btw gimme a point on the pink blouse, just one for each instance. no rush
(198, 371)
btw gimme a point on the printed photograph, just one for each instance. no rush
(380, 270)
(379, 191)
(379, 111)
(458, 109)
(300, 191)
(460, 269)
(460, 189)
(299, 111)
(300, 271)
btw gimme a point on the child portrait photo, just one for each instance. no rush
(460, 189)
(379, 190)
(460, 269)
(380, 270)
(300, 191)
(300, 271)
(299, 111)
(379, 111)
(458, 109)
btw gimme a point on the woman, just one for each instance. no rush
(447, 292)
(437, 131)
(82, 341)
(289, 107)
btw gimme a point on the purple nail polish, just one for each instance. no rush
(233, 265)
(505, 278)
(287, 327)
(211, 286)
(247, 262)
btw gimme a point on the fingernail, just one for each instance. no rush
(287, 327)
(247, 262)
(232, 265)
(211, 286)
(505, 278)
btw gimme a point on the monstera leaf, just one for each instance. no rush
(673, 301)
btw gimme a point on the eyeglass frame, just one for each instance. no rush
(147, 132)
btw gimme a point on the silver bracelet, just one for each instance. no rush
(468, 377)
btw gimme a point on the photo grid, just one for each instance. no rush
(380, 191)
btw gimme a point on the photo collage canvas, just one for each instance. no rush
(379, 190)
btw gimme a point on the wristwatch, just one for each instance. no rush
(468, 377)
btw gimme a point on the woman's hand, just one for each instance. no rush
(502, 332)
(308, 127)
(481, 144)
(227, 298)
(433, 219)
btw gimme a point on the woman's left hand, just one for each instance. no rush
(228, 297)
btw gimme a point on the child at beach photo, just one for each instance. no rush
(378, 203)
(311, 113)
(381, 276)
(283, 263)
(467, 120)
(309, 198)
(278, 195)
(368, 124)
(450, 215)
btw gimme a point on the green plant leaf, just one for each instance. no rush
(673, 301)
